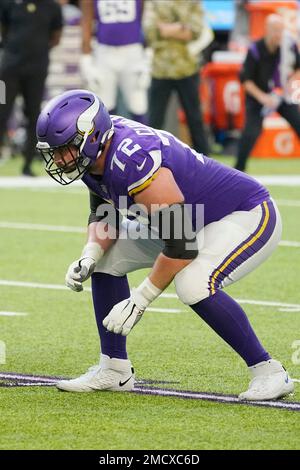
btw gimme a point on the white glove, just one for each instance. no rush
(89, 72)
(81, 269)
(124, 315)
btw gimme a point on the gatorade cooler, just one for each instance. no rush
(221, 94)
(227, 103)
(277, 140)
(258, 11)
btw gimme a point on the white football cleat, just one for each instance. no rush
(270, 381)
(111, 374)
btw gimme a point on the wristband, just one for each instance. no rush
(92, 250)
(145, 293)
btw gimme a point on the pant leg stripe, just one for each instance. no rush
(247, 248)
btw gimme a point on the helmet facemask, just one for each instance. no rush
(73, 166)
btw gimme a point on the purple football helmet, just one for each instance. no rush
(77, 120)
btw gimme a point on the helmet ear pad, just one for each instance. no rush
(95, 139)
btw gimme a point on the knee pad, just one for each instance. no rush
(190, 289)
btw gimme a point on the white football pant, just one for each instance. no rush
(125, 68)
(229, 249)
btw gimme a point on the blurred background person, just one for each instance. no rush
(170, 26)
(29, 30)
(117, 60)
(239, 35)
(272, 62)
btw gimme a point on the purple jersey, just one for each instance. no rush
(119, 22)
(136, 154)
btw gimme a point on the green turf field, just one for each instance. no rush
(58, 337)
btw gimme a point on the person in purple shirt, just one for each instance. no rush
(117, 59)
(192, 220)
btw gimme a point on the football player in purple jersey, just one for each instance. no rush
(116, 60)
(126, 165)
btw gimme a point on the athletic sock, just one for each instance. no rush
(227, 318)
(107, 291)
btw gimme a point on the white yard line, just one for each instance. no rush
(218, 398)
(36, 285)
(81, 191)
(70, 229)
(13, 314)
(59, 191)
(288, 202)
(41, 227)
(46, 182)
(281, 306)
(289, 244)
(165, 310)
(278, 180)
(13, 182)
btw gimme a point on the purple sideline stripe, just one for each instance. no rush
(215, 397)
(28, 377)
(26, 384)
(22, 380)
(249, 251)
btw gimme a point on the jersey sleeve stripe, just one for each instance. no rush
(140, 184)
(144, 185)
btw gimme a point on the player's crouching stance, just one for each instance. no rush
(116, 159)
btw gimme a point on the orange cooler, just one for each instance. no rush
(227, 95)
(277, 140)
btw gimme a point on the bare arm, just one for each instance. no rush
(165, 269)
(96, 234)
(87, 8)
(163, 190)
(177, 31)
